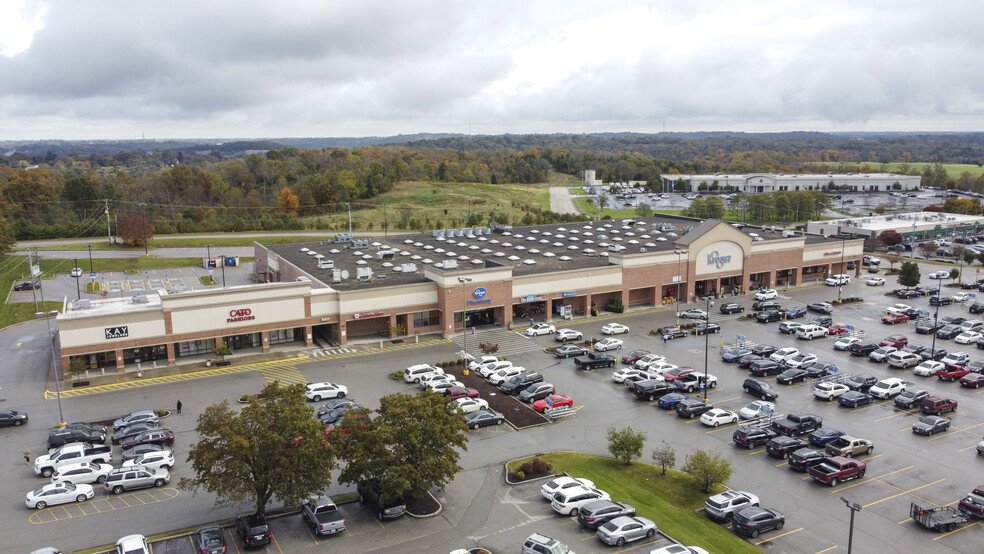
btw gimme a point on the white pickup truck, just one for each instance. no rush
(73, 453)
(323, 516)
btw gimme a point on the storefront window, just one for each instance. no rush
(194, 347)
(283, 336)
(428, 318)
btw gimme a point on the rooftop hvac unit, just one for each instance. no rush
(343, 237)
(408, 268)
(438, 232)
(363, 273)
(326, 264)
(336, 276)
(360, 243)
(139, 299)
(385, 254)
(81, 304)
(450, 264)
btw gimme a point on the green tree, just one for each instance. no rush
(928, 249)
(714, 208)
(643, 210)
(909, 274)
(665, 456)
(980, 257)
(707, 468)
(893, 258)
(625, 445)
(954, 273)
(412, 444)
(969, 257)
(273, 448)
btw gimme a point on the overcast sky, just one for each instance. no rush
(82, 69)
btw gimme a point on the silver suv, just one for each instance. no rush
(540, 544)
(725, 505)
(138, 477)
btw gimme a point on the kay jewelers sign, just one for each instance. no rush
(719, 257)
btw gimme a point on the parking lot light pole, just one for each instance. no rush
(89, 246)
(679, 278)
(54, 365)
(707, 343)
(464, 310)
(78, 274)
(936, 318)
(854, 508)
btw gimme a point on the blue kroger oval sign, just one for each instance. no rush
(480, 292)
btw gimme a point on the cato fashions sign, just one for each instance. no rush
(241, 314)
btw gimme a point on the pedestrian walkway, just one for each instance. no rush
(510, 342)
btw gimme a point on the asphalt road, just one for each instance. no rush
(479, 508)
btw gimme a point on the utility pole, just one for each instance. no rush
(109, 226)
(30, 273)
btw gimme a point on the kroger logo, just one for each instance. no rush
(480, 292)
(714, 259)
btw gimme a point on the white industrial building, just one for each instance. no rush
(915, 226)
(756, 183)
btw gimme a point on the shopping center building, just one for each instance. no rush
(343, 289)
(759, 183)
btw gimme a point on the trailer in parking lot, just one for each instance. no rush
(944, 518)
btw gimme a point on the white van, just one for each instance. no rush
(809, 332)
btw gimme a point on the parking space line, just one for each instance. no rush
(756, 452)
(722, 428)
(276, 542)
(968, 448)
(782, 464)
(930, 502)
(957, 530)
(826, 549)
(903, 492)
(870, 405)
(870, 480)
(898, 413)
(640, 545)
(779, 536)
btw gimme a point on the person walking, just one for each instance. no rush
(27, 456)
(179, 407)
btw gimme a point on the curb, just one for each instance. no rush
(440, 508)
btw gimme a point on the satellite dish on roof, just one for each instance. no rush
(345, 274)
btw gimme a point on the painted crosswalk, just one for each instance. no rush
(329, 352)
(285, 372)
(509, 342)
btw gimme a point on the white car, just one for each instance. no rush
(564, 335)
(939, 275)
(621, 375)
(414, 373)
(499, 377)
(317, 391)
(132, 544)
(426, 380)
(660, 367)
(898, 308)
(76, 272)
(488, 369)
(441, 386)
(605, 345)
(837, 280)
(767, 294)
(548, 490)
(540, 329)
(961, 296)
(845, 342)
(783, 354)
(887, 388)
(469, 405)
(57, 493)
(882, 353)
(161, 459)
(716, 416)
(928, 368)
(829, 391)
(875, 281)
(757, 408)
(81, 473)
(614, 329)
(679, 549)
(569, 501)
(645, 361)
(967, 337)
(800, 360)
(479, 362)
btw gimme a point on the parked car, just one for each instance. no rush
(723, 506)
(693, 313)
(930, 425)
(861, 381)
(630, 358)
(135, 417)
(910, 397)
(138, 477)
(821, 307)
(553, 401)
(570, 351)
(805, 458)
(767, 294)
(625, 529)
(670, 333)
(132, 544)
(692, 407)
(384, 507)
(535, 392)
(564, 335)
(757, 387)
(754, 520)
(253, 530)
(875, 281)
(548, 489)
(483, 418)
(845, 343)
(824, 435)
(881, 353)
(569, 501)
(750, 436)
(716, 417)
(12, 418)
(604, 345)
(782, 446)
(162, 459)
(829, 390)
(706, 328)
(542, 544)
(732, 308)
(154, 436)
(597, 513)
(757, 409)
(81, 473)
(853, 399)
(887, 388)
(792, 375)
(317, 391)
(57, 493)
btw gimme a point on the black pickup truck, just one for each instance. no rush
(652, 389)
(797, 424)
(519, 382)
(594, 360)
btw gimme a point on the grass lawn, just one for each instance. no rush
(671, 501)
(169, 241)
(953, 171)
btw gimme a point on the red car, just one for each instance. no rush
(898, 341)
(454, 393)
(553, 401)
(892, 319)
(631, 357)
(972, 380)
(952, 373)
(837, 329)
(671, 375)
(163, 437)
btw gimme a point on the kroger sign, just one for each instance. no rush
(717, 260)
(480, 292)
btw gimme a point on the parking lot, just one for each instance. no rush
(480, 509)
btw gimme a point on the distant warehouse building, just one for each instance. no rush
(915, 227)
(756, 183)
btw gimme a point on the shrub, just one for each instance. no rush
(542, 466)
(521, 475)
(397, 375)
(625, 445)
(527, 467)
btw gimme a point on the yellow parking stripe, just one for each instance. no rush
(779, 536)
(98, 506)
(901, 493)
(871, 480)
(957, 530)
